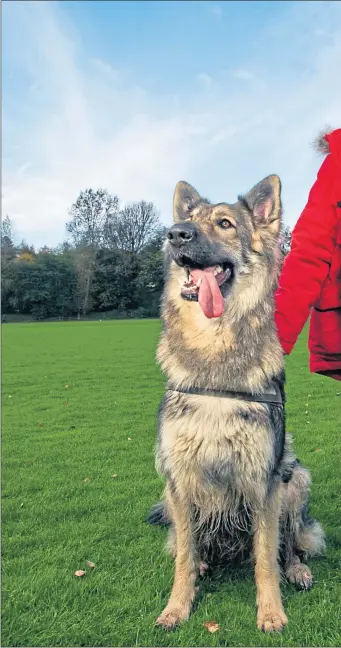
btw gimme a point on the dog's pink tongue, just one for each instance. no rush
(210, 297)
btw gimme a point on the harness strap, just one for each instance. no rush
(272, 395)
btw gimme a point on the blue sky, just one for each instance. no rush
(134, 96)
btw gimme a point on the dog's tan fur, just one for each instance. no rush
(225, 460)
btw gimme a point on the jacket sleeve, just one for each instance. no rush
(307, 265)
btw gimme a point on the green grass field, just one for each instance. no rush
(79, 405)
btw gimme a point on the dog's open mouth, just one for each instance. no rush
(207, 286)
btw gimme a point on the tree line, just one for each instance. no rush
(111, 263)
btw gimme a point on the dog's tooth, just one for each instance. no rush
(198, 283)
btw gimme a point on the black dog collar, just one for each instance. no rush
(271, 396)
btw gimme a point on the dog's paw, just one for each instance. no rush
(271, 618)
(300, 575)
(203, 567)
(172, 616)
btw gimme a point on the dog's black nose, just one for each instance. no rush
(181, 233)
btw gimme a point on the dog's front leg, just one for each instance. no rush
(183, 591)
(271, 616)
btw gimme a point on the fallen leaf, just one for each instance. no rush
(86, 480)
(80, 572)
(67, 386)
(66, 403)
(318, 450)
(40, 425)
(113, 476)
(91, 564)
(10, 397)
(211, 626)
(129, 438)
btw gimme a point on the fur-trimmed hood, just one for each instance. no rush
(329, 141)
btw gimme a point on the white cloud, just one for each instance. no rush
(205, 79)
(244, 75)
(223, 135)
(216, 9)
(82, 123)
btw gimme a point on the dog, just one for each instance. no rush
(233, 483)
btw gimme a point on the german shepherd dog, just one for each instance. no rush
(233, 484)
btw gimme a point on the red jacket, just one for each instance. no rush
(311, 274)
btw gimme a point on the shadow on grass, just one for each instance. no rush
(232, 572)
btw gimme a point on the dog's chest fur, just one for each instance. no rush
(217, 451)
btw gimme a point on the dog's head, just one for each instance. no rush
(216, 250)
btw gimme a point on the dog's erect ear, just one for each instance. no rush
(264, 202)
(185, 198)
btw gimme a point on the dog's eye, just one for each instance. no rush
(225, 224)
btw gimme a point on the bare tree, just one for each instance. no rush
(8, 253)
(134, 227)
(85, 264)
(91, 216)
(7, 235)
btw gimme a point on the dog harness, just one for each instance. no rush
(271, 396)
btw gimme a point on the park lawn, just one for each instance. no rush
(79, 405)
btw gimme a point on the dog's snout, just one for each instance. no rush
(181, 234)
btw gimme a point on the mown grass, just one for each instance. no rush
(79, 405)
